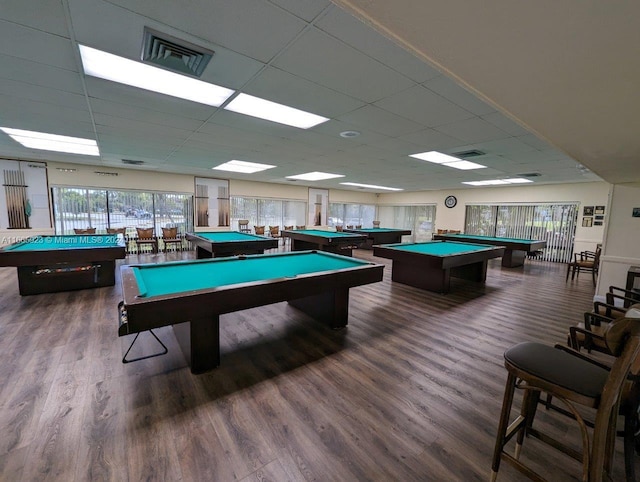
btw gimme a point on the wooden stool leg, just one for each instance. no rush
(503, 425)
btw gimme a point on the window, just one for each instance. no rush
(351, 214)
(419, 219)
(267, 212)
(555, 223)
(76, 207)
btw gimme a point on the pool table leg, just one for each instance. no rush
(513, 258)
(331, 307)
(199, 341)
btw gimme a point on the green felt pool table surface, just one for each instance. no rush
(228, 236)
(322, 234)
(184, 276)
(439, 248)
(491, 238)
(516, 249)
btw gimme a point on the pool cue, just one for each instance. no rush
(9, 197)
(21, 198)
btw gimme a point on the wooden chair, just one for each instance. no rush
(339, 228)
(585, 261)
(576, 380)
(592, 336)
(170, 237)
(259, 230)
(350, 226)
(443, 231)
(122, 231)
(85, 231)
(146, 238)
(243, 226)
(376, 224)
(274, 232)
(301, 227)
(358, 226)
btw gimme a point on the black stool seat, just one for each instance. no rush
(558, 367)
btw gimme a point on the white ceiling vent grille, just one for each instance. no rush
(174, 54)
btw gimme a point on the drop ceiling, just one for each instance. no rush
(311, 55)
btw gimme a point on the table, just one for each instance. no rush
(229, 243)
(515, 252)
(329, 241)
(191, 295)
(431, 264)
(380, 235)
(47, 264)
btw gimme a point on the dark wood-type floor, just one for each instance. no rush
(409, 391)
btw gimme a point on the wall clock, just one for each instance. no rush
(450, 201)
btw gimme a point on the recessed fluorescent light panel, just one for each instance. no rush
(53, 142)
(446, 160)
(496, 182)
(272, 111)
(315, 176)
(370, 186)
(136, 74)
(243, 166)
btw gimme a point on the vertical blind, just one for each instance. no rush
(267, 212)
(554, 223)
(418, 218)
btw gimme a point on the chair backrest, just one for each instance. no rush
(288, 228)
(349, 226)
(623, 338)
(145, 233)
(243, 222)
(116, 230)
(376, 224)
(85, 231)
(274, 230)
(301, 227)
(443, 231)
(339, 228)
(170, 233)
(358, 226)
(259, 229)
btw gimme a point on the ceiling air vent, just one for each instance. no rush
(530, 174)
(467, 154)
(174, 54)
(132, 162)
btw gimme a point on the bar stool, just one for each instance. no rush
(574, 379)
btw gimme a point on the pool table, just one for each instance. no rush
(330, 241)
(431, 264)
(380, 235)
(229, 243)
(191, 295)
(515, 252)
(47, 264)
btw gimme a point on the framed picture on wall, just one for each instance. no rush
(587, 222)
(587, 211)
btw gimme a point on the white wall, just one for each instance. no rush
(587, 194)
(621, 247)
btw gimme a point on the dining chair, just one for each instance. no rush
(146, 238)
(259, 230)
(170, 237)
(84, 231)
